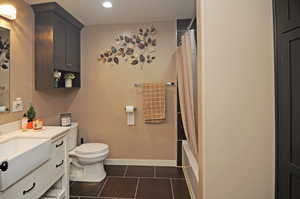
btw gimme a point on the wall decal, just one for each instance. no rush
(134, 48)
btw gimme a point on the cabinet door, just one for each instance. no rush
(288, 109)
(288, 14)
(73, 49)
(60, 43)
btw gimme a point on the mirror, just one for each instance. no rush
(4, 69)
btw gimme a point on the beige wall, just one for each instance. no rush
(237, 99)
(99, 105)
(49, 103)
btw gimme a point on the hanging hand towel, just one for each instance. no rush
(154, 100)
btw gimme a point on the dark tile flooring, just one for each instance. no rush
(134, 182)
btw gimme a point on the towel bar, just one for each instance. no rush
(167, 84)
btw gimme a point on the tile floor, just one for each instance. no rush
(135, 182)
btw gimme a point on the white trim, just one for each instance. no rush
(191, 158)
(141, 162)
(190, 169)
(189, 185)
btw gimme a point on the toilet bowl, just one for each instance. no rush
(86, 160)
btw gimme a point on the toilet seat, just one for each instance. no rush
(90, 151)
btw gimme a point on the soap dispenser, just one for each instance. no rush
(24, 122)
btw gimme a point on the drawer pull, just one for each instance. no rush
(58, 165)
(59, 145)
(27, 191)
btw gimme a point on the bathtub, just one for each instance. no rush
(190, 168)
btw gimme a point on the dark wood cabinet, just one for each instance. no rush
(73, 44)
(287, 71)
(57, 45)
(60, 44)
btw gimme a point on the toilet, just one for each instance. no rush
(86, 160)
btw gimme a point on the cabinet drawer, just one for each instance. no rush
(58, 166)
(32, 186)
(58, 160)
(59, 148)
(40, 180)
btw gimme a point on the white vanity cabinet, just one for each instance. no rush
(53, 173)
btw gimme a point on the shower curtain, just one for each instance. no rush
(184, 62)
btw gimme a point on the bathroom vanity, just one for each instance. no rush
(48, 176)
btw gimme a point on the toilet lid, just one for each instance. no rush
(91, 148)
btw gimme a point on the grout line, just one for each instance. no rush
(159, 178)
(137, 186)
(138, 183)
(172, 189)
(96, 197)
(101, 189)
(125, 171)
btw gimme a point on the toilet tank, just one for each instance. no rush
(72, 136)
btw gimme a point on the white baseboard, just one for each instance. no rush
(140, 162)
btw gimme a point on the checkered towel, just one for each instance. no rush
(154, 100)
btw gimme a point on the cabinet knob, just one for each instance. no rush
(4, 166)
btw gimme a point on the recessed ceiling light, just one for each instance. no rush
(107, 4)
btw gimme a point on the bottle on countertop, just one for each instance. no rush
(24, 122)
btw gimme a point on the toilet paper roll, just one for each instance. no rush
(129, 109)
(130, 119)
(130, 115)
(2, 109)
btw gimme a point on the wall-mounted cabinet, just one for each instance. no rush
(57, 46)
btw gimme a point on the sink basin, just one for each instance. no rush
(23, 156)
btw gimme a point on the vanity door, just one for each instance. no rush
(73, 49)
(60, 43)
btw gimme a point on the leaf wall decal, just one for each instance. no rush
(116, 60)
(132, 47)
(134, 62)
(142, 58)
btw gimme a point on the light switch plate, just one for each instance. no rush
(17, 106)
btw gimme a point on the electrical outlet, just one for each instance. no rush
(18, 105)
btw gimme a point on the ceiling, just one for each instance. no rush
(91, 12)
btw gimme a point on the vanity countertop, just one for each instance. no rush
(48, 132)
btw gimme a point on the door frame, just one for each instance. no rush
(275, 34)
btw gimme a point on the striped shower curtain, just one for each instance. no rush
(186, 63)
